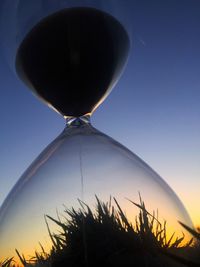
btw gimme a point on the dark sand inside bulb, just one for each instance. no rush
(71, 59)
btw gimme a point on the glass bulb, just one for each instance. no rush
(82, 163)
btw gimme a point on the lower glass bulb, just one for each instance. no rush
(80, 166)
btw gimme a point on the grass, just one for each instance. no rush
(105, 237)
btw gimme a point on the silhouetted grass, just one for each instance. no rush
(105, 237)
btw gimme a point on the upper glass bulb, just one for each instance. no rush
(73, 58)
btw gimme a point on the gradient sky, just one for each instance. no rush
(154, 110)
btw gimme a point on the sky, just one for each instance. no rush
(154, 109)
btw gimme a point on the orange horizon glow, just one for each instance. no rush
(27, 253)
(29, 250)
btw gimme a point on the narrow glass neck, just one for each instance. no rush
(78, 121)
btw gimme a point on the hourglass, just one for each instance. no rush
(71, 60)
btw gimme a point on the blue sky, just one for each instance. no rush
(154, 110)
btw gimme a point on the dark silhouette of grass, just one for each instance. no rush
(105, 237)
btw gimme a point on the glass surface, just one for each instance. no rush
(82, 163)
(73, 71)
